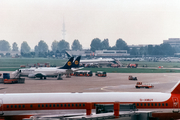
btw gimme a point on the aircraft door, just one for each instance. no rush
(175, 104)
(1, 107)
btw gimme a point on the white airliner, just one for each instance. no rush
(43, 72)
(100, 61)
(24, 105)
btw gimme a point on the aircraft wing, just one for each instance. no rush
(76, 69)
(37, 75)
(40, 75)
(69, 71)
(58, 115)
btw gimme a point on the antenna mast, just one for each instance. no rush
(63, 30)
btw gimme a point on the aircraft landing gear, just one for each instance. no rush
(68, 76)
(59, 77)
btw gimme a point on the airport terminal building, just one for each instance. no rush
(111, 53)
(99, 53)
(174, 42)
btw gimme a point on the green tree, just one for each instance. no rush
(4, 45)
(157, 50)
(63, 45)
(95, 44)
(76, 45)
(112, 48)
(134, 51)
(36, 50)
(42, 46)
(25, 47)
(167, 49)
(150, 49)
(15, 47)
(121, 45)
(54, 46)
(105, 44)
(143, 51)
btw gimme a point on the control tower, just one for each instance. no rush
(63, 30)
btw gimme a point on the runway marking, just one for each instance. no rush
(119, 88)
(114, 88)
(104, 89)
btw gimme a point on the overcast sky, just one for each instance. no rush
(135, 21)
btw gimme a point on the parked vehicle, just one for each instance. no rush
(101, 74)
(160, 66)
(140, 85)
(12, 80)
(132, 65)
(82, 73)
(132, 78)
(145, 65)
(115, 65)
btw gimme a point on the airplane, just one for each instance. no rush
(24, 105)
(43, 72)
(98, 61)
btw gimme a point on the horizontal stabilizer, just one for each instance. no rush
(68, 54)
(176, 89)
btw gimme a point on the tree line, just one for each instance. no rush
(58, 47)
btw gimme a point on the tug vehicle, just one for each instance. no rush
(140, 85)
(115, 65)
(101, 74)
(12, 80)
(160, 66)
(132, 65)
(7, 80)
(132, 78)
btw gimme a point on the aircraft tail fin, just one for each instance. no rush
(68, 54)
(176, 89)
(68, 64)
(76, 62)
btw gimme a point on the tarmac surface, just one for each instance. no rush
(114, 82)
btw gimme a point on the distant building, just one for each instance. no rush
(111, 53)
(83, 53)
(98, 53)
(10, 53)
(140, 45)
(174, 42)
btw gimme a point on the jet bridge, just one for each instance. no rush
(105, 108)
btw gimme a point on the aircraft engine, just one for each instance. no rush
(31, 76)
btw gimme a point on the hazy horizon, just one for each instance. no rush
(136, 22)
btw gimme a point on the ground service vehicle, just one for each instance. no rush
(132, 65)
(140, 85)
(115, 65)
(145, 65)
(160, 66)
(82, 73)
(12, 80)
(101, 74)
(132, 78)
